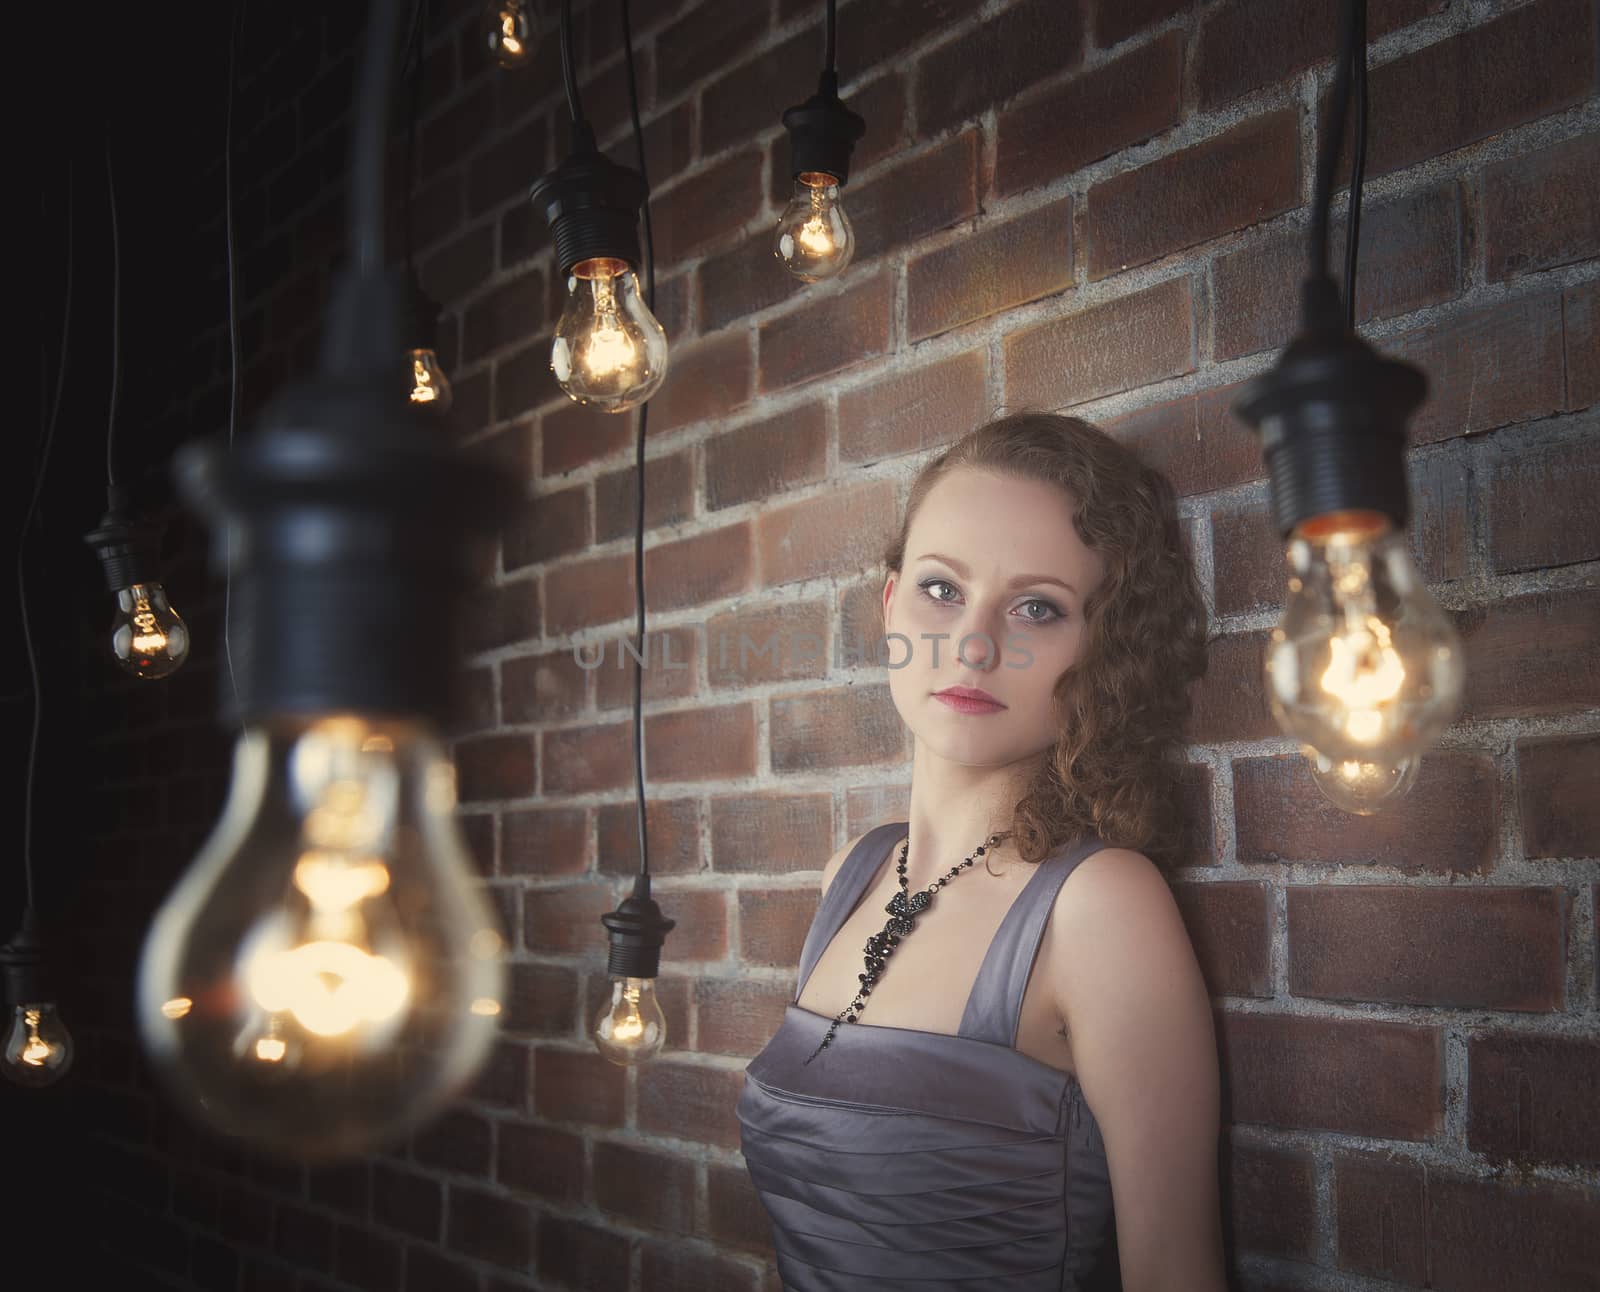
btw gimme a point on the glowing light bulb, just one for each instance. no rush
(609, 350)
(429, 385)
(814, 238)
(632, 1028)
(38, 1049)
(327, 974)
(1362, 788)
(1364, 667)
(507, 31)
(147, 636)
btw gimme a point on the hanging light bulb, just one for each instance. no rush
(428, 389)
(507, 31)
(814, 238)
(609, 350)
(148, 637)
(631, 1028)
(38, 1048)
(1364, 667)
(1362, 788)
(429, 385)
(326, 969)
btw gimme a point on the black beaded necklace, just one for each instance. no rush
(903, 909)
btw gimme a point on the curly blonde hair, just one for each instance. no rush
(1123, 705)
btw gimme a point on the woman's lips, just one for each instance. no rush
(963, 704)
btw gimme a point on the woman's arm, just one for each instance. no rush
(1144, 1045)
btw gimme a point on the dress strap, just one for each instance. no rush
(850, 883)
(994, 1006)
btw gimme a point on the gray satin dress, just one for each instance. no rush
(901, 1158)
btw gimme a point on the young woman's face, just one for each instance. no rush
(990, 596)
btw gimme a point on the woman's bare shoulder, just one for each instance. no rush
(834, 862)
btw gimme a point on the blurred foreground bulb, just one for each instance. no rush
(38, 1048)
(814, 239)
(609, 350)
(507, 29)
(429, 385)
(147, 636)
(1362, 788)
(327, 973)
(1364, 667)
(631, 1029)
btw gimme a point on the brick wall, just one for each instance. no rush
(1095, 205)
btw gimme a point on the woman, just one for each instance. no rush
(1013, 1083)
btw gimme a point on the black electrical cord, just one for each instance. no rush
(831, 23)
(1358, 163)
(644, 410)
(367, 144)
(569, 70)
(1333, 140)
(416, 42)
(116, 315)
(233, 322)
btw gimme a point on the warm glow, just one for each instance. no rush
(483, 1005)
(334, 885)
(1363, 673)
(36, 1050)
(269, 1049)
(177, 1007)
(329, 987)
(423, 391)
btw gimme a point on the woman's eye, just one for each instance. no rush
(1053, 612)
(934, 583)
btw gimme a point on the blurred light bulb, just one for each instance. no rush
(609, 350)
(1364, 667)
(508, 32)
(814, 238)
(632, 1028)
(429, 385)
(1362, 788)
(317, 981)
(147, 636)
(38, 1047)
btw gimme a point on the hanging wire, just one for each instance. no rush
(831, 23)
(116, 315)
(367, 149)
(569, 71)
(22, 584)
(233, 328)
(1358, 163)
(1333, 140)
(638, 466)
(415, 42)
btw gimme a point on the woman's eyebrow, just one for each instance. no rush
(1022, 580)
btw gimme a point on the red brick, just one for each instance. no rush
(501, 615)
(1410, 258)
(737, 1217)
(472, 705)
(773, 924)
(496, 767)
(708, 743)
(501, 172)
(767, 458)
(744, 279)
(1453, 948)
(1380, 1079)
(704, 382)
(827, 335)
(1120, 345)
(344, 1188)
(407, 1201)
(1248, 559)
(905, 203)
(428, 1271)
(1542, 210)
(507, 314)
(577, 1086)
(503, 1081)
(1001, 57)
(702, 916)
(577, 1255)
(582, 594)
(1228, 926)
(1533, 654)
(765, 644)
(825, 534)
(882, 105)
(537, 688)
(1556, 776)
(676, 1265)
(567, 918)
(1196, 442)
(1246, 175)
(1535, 60)
(904, 412)
(550, 525)
(708, 566)
(1445, 825)
(588, 759)
(1229, 702)
(751, 98)
(1534, 1097)
(456, 1140)
(1272, 1196)
(672, 829)
(1487, 368)
(668, 496)
(739, 1016)
(701, 209)
(655, 1190)
(706, 40)
(572, 436)
(1539, 499)
(770, 833)
(542, 1000)
(690, 1101)
(541, 1161)
(455, 270)
(1440, 527)
(671, 666)
(1580, 314)
(1197, 845)
(523, 380)
(1413, 1223)
(840, 728)
(1115, 20)
(998, 268)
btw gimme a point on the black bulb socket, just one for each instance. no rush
(22, 959)
(637, 930)
(128, 545)
(591, 205)
(823, 132)
(419, 326)
(1332, 417)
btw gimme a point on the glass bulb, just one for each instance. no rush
(814, 238)
(609, 350)
(328, 972)
(147, 636)
(429, 385)
(507, 32)
(632, 1028)
(38, 1047)
(1365, 666)
(1362, 788)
